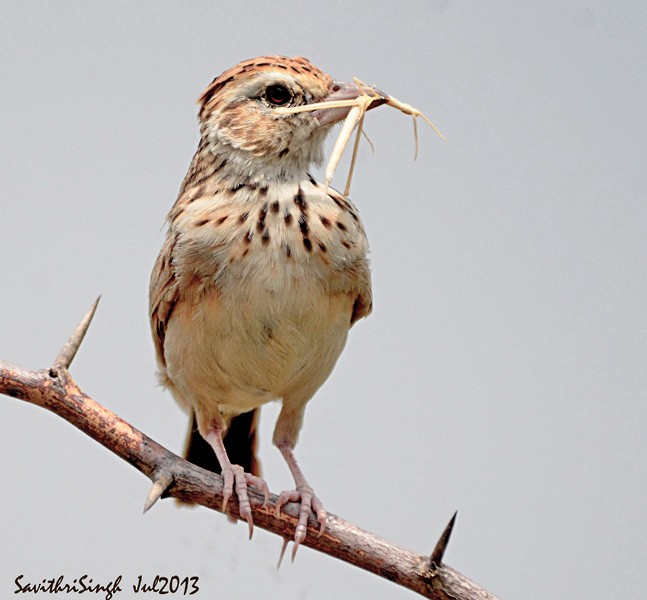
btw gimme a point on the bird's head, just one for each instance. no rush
(240, 123)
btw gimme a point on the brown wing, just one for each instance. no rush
(357, 274)
(363, 304)
(163, 294)
(361, 309)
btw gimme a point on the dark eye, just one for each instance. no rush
(278, 95)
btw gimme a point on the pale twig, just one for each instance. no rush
(358, 107)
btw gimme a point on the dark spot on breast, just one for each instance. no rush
(325, 222)
(288, 217)
(260, 225)
(268, 331)
(263, 192)
(245, 252)
(275, 206)
(355, 217)
(283, 152)
(288, 252)
(345, 244)
(201, 222)
(313, 181)
(308, 244)
(300, 201)
(337, 201)
(243, 217)
(265, 238)
(322, 247)
(303, 225)
(221, 220)
(238, 186)
(248, 237)
(341, 225)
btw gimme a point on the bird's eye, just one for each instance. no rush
(278, 95)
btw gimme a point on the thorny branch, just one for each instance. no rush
(55, 390)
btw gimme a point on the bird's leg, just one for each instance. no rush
(284, 438)
(303, 493)
(234, 475)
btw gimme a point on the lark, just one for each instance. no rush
(262, 273)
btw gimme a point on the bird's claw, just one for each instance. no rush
(309, 503)
(235, 478)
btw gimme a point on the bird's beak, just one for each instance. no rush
(346, 91)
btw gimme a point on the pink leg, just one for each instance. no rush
(304, 494)
(234, 474)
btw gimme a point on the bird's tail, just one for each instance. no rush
(240, 443)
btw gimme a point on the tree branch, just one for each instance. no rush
(55, 390)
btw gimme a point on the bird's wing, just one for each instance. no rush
(163, 294)
(363, 304)
(357, 272)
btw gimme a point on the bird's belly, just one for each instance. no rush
(265, 336)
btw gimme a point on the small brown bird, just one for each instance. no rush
(262, 273)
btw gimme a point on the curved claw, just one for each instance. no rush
(286, 541)
(250, 524)
(235, 476)
(261, 485)
(285, 497)
(322, 516)
(309, 504)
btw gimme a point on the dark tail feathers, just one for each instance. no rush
(240, 443)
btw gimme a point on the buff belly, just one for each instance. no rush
(241, 351)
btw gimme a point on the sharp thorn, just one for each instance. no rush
(160, 485)
(436, 558)
(71, 346)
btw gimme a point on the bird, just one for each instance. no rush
(261, 275)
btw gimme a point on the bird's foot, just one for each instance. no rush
(309, 504)
(235, 478)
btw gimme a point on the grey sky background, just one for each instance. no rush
(503, 372)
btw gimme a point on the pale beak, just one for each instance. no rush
(346, 91)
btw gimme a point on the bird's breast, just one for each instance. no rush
(274, 270)
(284, 241)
